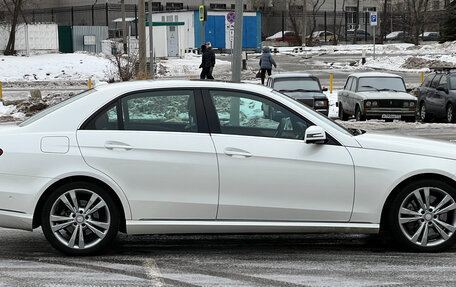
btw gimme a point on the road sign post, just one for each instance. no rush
(373, 23)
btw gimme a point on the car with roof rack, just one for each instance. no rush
(374, 95)
(437, 95)
(303, 87)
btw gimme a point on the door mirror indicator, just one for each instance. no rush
(315, 135)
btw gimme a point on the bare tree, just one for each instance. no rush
(416, 17)
(316, 6)
(14, 8)
(125, 63)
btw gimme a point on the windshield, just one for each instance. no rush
(328, 121)
(291, 84)
(453, 82)
(55, 107)
(381, 84)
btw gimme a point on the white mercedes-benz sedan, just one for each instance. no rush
(155, 157)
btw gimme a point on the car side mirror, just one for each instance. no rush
(315, 135)
(324, 89)
(409, 90)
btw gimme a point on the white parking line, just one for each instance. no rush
(153, 272)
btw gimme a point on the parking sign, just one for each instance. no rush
(373, 18)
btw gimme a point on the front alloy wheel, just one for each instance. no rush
(424, 216)
(423, 113)
(450, 114)
(79, 219)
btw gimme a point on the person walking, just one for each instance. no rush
(203, 72)
(207, 62)
(266, 63)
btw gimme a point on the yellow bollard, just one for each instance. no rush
(1, 91)
(422, 77)
(331, 83)
(90, 83)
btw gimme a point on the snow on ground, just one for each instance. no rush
(52, 67)
(188, 67)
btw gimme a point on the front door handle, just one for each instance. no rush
(235, 152)
(117, 145)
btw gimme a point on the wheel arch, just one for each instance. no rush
(401, 185)
(37, 218)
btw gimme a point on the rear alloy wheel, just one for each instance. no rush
(450, 114)
(424, 117)
(80, 218)
(359, 115)
(342, 115)
(423, 216)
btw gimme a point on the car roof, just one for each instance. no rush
(162, 84)
(374, 74)
(292, 75)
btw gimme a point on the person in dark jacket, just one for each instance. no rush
(207, 63)
(209, 48)
(266, 63)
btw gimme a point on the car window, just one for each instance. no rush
(367, 84)
(453, 82)
(435, 82)
(443, 82)
(427, 81)
(348, 84)
(353, 86)
(149, 111)
(291, 84)
(251, 115)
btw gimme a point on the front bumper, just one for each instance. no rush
(389, 113)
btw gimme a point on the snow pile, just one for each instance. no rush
(54, 67)
(421, 63)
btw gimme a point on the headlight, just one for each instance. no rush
(321, 103)
(368, 104)
(412, 104)
(374, 104)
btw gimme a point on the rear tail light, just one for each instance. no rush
(1, 151)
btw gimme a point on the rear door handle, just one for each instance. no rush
(117, 145)
(235, 152)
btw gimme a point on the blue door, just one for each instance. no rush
(249, 35)
(215, 31)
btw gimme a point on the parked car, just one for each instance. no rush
(361, 35)
(395, 36)
(319, 36)
(290, 36)
(161, 157)
(304, 88)
(376, 95)
(430, 36)
(437, 96)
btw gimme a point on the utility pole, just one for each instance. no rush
(151, 42)
(334, 23)
(304, 22)
(203, 29)
(124, 27)
(142, 38)
(237, 54)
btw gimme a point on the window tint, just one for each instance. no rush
(381, 84)
(427, 80)
(250, 115)
(348, 83)
(105, 120)
(443, 82)
(453, 82)
(435, 81)
(150, 111)
(160, 111)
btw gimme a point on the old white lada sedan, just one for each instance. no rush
(156, 157)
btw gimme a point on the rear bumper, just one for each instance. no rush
(16, 220)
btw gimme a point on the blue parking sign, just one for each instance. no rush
(373, 19)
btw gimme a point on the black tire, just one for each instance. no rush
(424, 115)
(99, 226)
(359, 115)
(414, 225)
(450, 116)
(410, 119)
(342, 115)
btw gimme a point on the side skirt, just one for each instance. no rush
(193, 226)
